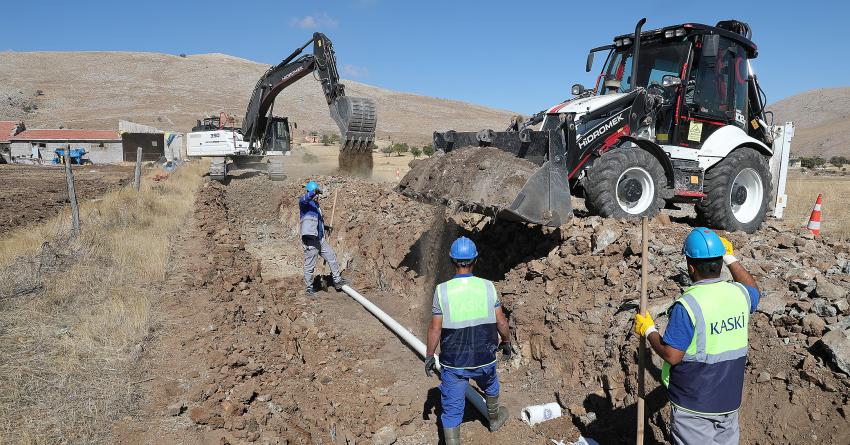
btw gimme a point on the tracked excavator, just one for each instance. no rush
(264, 139)
(676, 116)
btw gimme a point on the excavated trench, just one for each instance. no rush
(570, 293)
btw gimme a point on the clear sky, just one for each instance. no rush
(515, 55)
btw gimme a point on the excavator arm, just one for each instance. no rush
(355, 116)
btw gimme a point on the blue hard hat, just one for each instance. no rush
(703, 243)
(463, 249)
(312, 186)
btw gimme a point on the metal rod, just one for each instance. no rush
(471, 395)
(333, 217)
(641, 402)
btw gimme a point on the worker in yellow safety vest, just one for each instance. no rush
(467, 321)
(705, 344)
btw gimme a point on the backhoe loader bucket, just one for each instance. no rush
(518, 176)
(356, 118)
(544, 199)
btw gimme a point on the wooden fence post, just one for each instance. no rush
(72, 194)
(137, 177)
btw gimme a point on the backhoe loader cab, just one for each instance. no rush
(676, 115)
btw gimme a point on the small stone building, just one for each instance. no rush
(7, 130)
(155, 143)
(102, 146)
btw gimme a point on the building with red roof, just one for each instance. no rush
(102, 146)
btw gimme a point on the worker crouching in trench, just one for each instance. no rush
(467, 321)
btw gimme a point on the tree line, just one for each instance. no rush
(817, 161)
(402, 148)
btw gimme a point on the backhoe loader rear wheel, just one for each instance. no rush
(737, 192)
(625, 183)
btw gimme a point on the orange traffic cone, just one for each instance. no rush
(814, 220)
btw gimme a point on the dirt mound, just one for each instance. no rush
(276, 365)
(356, 162)
(260, 363)
(482, 178)
(571, 293)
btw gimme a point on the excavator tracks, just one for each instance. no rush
(275, 169)
(218, 169)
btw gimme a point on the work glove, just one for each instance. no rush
(329, 230)
(506, 348)
(429, 364)
(729, 256)
(644, 325)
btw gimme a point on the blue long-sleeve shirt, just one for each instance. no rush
(312, 223)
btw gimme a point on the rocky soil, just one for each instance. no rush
(251, 360)
(483, 178)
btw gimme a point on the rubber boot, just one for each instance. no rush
(342, 282)
(452, 435)
(498, 414)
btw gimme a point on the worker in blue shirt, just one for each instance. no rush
(313, 230)
(705, 344)
(467, 321)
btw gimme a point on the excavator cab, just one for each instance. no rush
(278, 136)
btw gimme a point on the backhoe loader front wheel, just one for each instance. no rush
(625, 183)
(737, 192)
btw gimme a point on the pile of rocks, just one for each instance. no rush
(572, 293)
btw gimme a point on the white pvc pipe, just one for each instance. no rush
(535, 414)
(471, 395)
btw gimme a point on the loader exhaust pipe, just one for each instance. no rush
(636, 52)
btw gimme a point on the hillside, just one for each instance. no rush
(96, 89)
(822, 118)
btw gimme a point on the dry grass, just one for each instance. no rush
(803, 189)
(73, 314)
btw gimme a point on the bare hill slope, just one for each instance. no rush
(822, 118)
(96, 89)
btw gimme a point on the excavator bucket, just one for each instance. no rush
(499, 174)
(356, 118)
